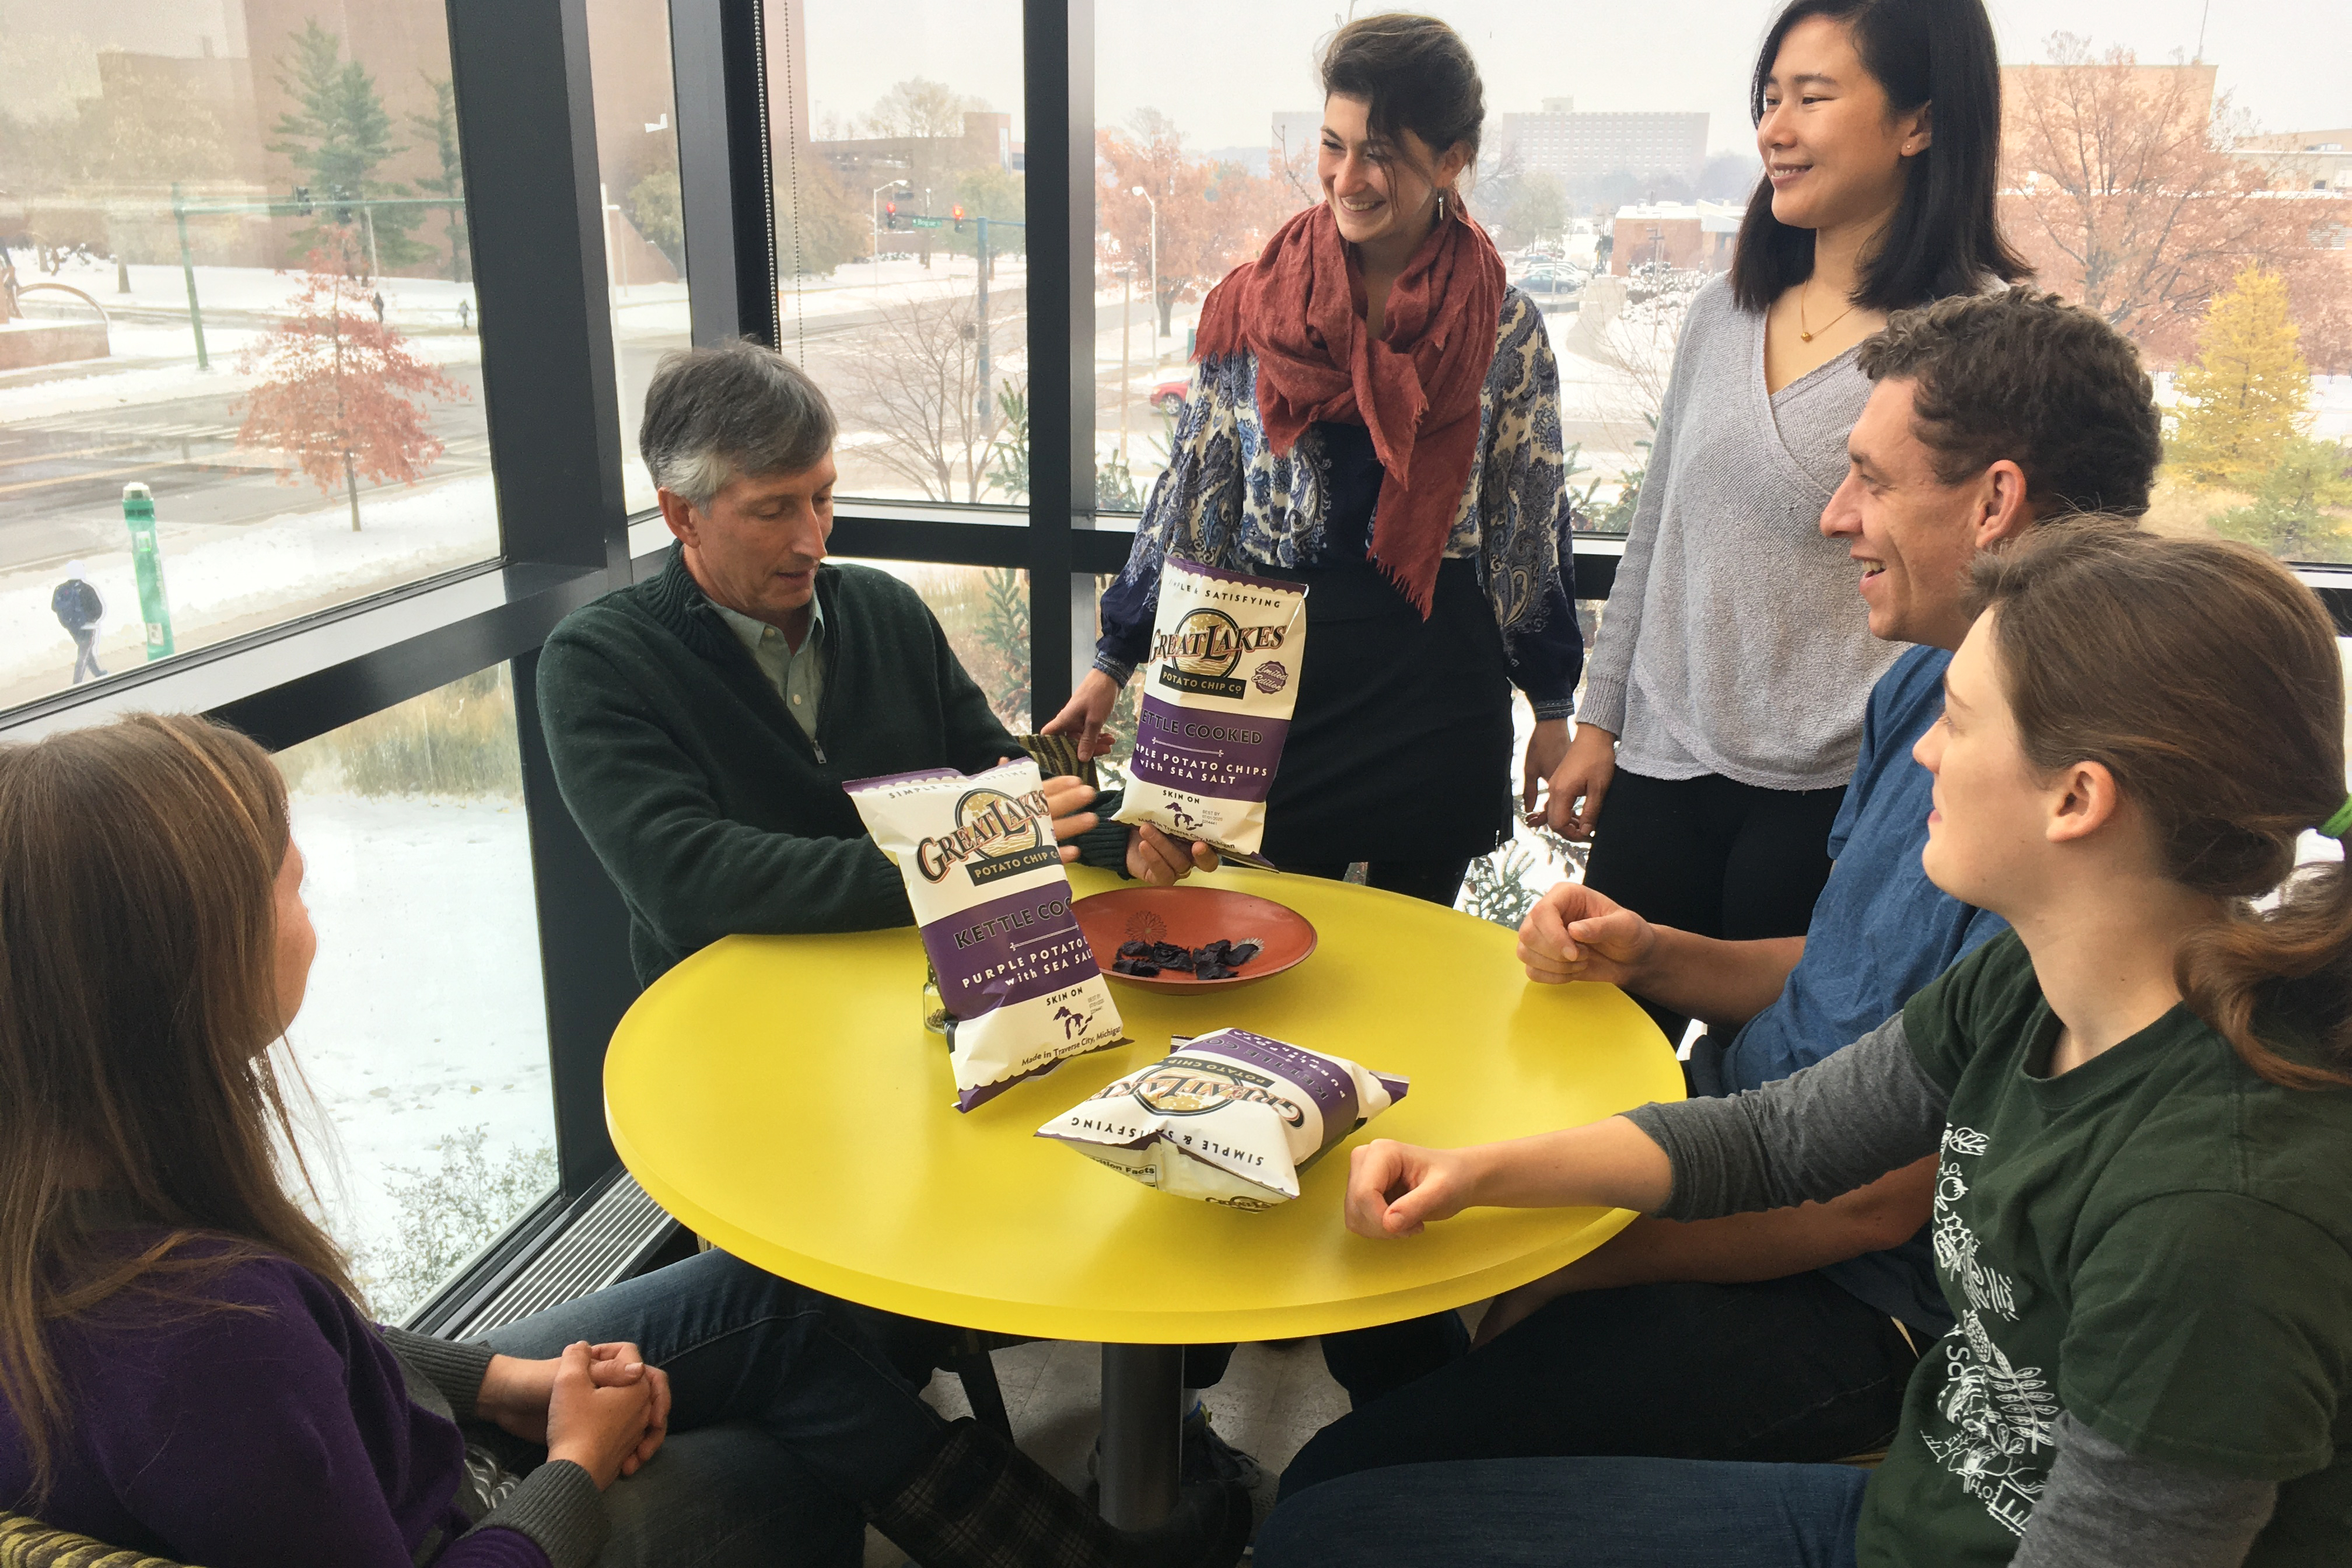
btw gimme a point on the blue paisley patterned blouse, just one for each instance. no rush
(1228, 500)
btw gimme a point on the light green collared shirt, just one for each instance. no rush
(797, 674)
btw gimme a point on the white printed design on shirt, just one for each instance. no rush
(2002, 1414)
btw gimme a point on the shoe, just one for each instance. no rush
(1205, 1457)
(980, 1503)
(1202, 1456)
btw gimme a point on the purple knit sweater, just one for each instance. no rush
(282, 1435)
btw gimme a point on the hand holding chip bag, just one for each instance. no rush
(1216, 706)
(1017, 980)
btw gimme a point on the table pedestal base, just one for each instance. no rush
(1142, 1432)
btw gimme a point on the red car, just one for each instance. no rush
(1169, 396)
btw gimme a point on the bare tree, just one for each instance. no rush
(2124, 195)
(915, 380)
(920, 107)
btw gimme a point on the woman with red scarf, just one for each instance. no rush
(1377, 415)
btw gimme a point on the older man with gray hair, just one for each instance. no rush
(703, 722)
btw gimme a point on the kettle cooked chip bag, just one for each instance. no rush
(1230, 1117)
(1020, 984)
(1217, 698)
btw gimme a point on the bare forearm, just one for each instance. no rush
(1742, 1248)
(1724, 984)
(1605, 1165)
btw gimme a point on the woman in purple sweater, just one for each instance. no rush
(184, 1366)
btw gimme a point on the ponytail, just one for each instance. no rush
(2206, 679)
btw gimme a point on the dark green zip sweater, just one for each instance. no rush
(710, 809)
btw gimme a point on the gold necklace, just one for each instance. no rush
(1802, 335)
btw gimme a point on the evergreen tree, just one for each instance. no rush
(337, 134)
(439, 130)
(2242, 401)
(2290, 516)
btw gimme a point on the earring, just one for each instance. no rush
(1440, 206)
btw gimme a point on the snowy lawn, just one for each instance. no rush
(425, 1017)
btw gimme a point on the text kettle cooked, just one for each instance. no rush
(1216, 705)
(1230, 1117)
(984, 876)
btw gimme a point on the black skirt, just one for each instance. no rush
(1399, 748)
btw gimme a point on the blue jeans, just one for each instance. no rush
(784, 1416)
(1572, 1514)
(1784, 1371)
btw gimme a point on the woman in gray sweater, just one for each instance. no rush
(1723, 698)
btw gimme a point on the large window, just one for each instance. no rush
(643, 224)
(239, 370)
(1203, 150)
(1612, 176)
(424, 1036)
(899, 175)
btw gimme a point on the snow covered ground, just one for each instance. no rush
(219, 578)
(425, 1016)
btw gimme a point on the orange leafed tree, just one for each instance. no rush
(1212, 216)
(2121, 190)
(335, 397)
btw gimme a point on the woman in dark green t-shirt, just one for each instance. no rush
(2144, 1207)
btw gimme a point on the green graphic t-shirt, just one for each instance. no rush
(2159, 1242)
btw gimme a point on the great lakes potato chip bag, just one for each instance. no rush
(1217, 698)
(1230, 1117)
(1020, 984)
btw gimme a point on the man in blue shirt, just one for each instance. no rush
(1789, 1335)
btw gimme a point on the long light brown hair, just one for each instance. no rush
(138, 1006)
(2205, 678)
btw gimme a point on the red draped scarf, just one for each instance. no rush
(1299, 307)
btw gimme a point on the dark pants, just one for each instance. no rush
(1591, 1513)
(785, 1415)
(1366, 1362)
(1433, 881)
(1713, 856)
(85, 653)
(1791, 1369)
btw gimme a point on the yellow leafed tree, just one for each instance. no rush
(2242, 399)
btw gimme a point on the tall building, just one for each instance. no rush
(2302, 159)
(1574, 146)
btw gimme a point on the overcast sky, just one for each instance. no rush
(1221, 67)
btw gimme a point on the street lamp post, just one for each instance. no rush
(876, 206)
(1157, 333)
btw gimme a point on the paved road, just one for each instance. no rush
(61, 478)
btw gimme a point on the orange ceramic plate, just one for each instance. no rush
(1193, 917)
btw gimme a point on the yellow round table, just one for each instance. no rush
(780, 1097)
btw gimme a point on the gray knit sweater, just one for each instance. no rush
(1735, 641)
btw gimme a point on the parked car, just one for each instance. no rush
(1169, 396)
(1552, 280)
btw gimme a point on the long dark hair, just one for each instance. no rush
(1945, 237)
(2206, 679)
(138, 1004)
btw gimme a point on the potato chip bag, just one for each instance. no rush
(1216, 705)
(1230, 1117)
(1019, 983)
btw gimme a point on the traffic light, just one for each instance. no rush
(956, 212)
(890, 208)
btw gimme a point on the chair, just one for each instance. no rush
(28, 1543)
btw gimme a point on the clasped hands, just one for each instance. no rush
(600, 1406)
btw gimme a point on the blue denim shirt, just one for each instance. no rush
(1880, 932)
